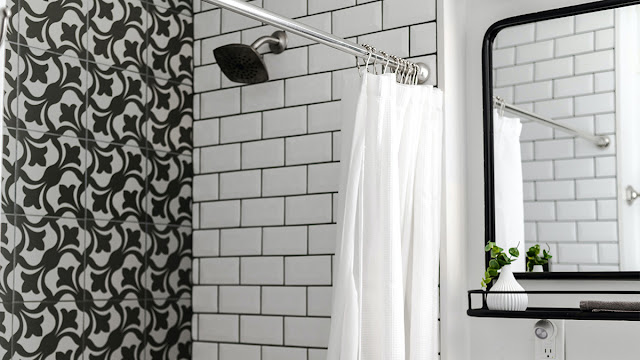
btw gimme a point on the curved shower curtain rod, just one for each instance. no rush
(314, 34)
(601, 141)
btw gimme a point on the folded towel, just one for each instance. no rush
(611, 306)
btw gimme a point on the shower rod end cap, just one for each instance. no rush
(423, 73)
(604, 141)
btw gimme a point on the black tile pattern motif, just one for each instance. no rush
(170, 45)
(182, 6)
(168, 270)
(52, 92)
(116, 258)
(118, 33)
(170, 108)
(59, 26)
(116, 182)
(48, 259)
(117, 101)
(10, 85)
(169, 191)
(7, 230)
(114, 329)
(46, 330)
(9, 148)
(95, 231)
(50, 174)
(6, 326)
(168, 330)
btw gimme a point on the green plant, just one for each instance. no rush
(498, 260)
(534, 258)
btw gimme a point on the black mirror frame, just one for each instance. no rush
(487, 96)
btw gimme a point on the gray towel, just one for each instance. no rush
(611, 306)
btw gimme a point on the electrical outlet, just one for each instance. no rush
(549, 340)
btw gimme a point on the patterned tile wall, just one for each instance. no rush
(95, 241)
(266, 163)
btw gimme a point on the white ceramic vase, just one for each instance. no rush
(537, 268)
(507, 302)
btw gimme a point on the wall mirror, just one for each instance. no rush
(562, 140)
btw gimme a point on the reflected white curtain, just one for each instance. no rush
(509, 197)
(385, 304)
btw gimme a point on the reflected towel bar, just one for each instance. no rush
(601, 141)
(294, 27)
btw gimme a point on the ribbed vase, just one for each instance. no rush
(507, 302)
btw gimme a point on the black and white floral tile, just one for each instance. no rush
(95, 231)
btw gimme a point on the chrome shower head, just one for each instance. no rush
(243, 63)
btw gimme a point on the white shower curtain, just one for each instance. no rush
(385, 304)
(509, 204)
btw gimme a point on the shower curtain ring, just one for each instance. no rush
(501, 104)
(413, 74)
(366, 65)
(386, 65)
(372, 57)
(373, 51)
(398, 65)
(412, 81)
(407, 73)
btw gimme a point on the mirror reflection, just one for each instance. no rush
(566, 142)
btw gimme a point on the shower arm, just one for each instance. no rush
(314, 34)
(277, 42)
(264, 40)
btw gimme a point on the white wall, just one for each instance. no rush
(451, 70)
(510, 339)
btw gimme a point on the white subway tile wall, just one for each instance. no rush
(267, 172)
(564, 69)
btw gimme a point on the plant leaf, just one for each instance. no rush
(493, 264)
(534, 250)
(496, 250)
(514, 252)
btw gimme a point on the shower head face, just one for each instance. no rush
(241, 63)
